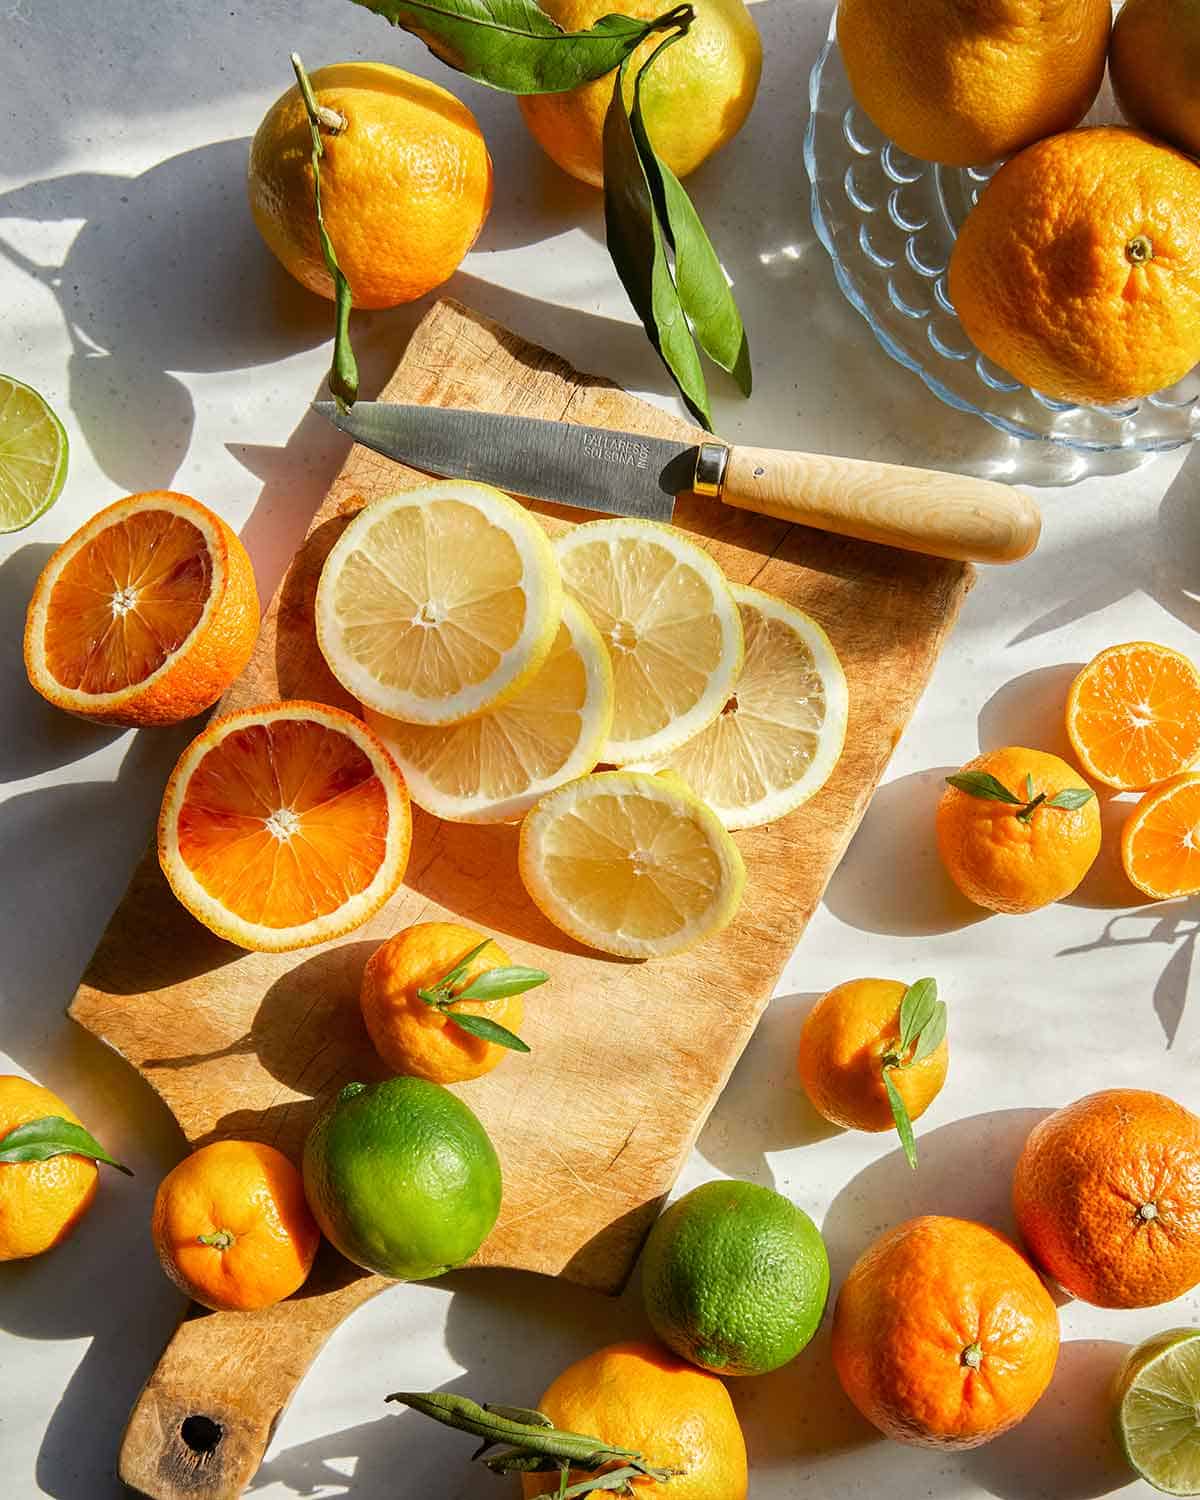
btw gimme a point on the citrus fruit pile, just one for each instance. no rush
(1078, 269)
(498, 669)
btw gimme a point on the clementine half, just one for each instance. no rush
(1133, 715)
(1160, 843)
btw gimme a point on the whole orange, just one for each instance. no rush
(845, 1039)
(1008, 863)
(695, 99)
(232, 1228)
(420, 1039)
(638, 1397)
(406, 183)
(1107, 1198)
(1154, 65)
(943, 1335)
(966, 82)
(40, 1201)
(1078, 270)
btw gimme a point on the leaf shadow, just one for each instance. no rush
(1174, 925)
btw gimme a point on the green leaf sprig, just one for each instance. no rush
(922, 1028)
(533, 1445)
(988, 788)
(343, 373)
(662, 253)
(492, 984)
(38, 1140)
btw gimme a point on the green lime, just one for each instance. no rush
(402, 1177)
(735, 1278)
(1158, 1410)
(33, 455)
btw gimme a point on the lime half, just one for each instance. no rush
(33, 455)
(1158, 1410)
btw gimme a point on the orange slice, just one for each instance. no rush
(1160, 844)
(284, 825)
(1133, 715)
(145, 615)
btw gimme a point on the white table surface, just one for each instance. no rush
(136, 295)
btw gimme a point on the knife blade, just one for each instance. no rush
(632, 474)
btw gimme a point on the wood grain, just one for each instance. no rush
(627, 1059)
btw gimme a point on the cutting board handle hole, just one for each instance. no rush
(202, 1435)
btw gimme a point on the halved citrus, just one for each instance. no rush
(671, 626)
(439, 603)
(1157, 1415)
(494, 767)
(1133, 715)
(145, 615)
(779, 735)
(33, 455)
(631, 864)
(284, 825)
(1160, 844)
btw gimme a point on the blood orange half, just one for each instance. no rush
(284, 825)
(145, 615)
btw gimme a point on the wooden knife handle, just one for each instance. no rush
(921, 510)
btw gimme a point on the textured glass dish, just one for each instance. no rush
(889, 222)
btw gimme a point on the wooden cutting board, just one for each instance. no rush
(627, 1059)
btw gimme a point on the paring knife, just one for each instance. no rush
(630, 474)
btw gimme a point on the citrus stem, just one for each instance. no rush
(972, 1356)
(220, 1239)
(1148, 1212)
(321, 115)
(1139, 250)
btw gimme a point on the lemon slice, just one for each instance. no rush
(438, 603)
(781, 732)
(494, 767)
(1158, 1410)
(670, 624)
(33, 455)
(631, 864)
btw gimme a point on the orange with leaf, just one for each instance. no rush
(1107, 1198)
(1017, 829)
(873, 1055)
(943, 1334)
(439, 1003)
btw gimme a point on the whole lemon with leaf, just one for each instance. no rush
(695, 98)
(406, 182)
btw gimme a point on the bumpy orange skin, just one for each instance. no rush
(694, 100)
(1045, 274)
(966, 82)
(845, 1038)
(943, 1335)
(413, 1037)
(1006, 865)
(40, 1201)
(204, 665)
(256, 1194)
(639, 1397)
(1107, 1198)
(1154, 64)
(405, 187)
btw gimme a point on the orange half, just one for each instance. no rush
(1133, 715)
(284, 825)
(145, 615)
(1160, 844)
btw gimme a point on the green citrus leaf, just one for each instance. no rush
(983, 784)
(38, 1140)
(1071, 797)
(931, 1034)
(490, 1031)
(524, 1414)
(900, 1114)
(639, 251)
(915, 1010)
(449, 980)
(514, 46)
(496, 984)
(1028, 787)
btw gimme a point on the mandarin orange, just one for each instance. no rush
(1133, 715)
(40, 1201)
(1154, 65)
(1160, 843)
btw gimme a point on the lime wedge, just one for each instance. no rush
(1158, 1410)
(33, 455)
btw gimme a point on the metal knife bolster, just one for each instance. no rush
(712, 459)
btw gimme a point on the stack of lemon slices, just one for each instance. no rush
(499, 669)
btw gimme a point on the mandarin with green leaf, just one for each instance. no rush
(41, 1201)
(1017, 829)
(873, 1055)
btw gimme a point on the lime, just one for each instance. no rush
(402, 1178)
(33, 455)
(1158, 1410)
(735, 1278)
